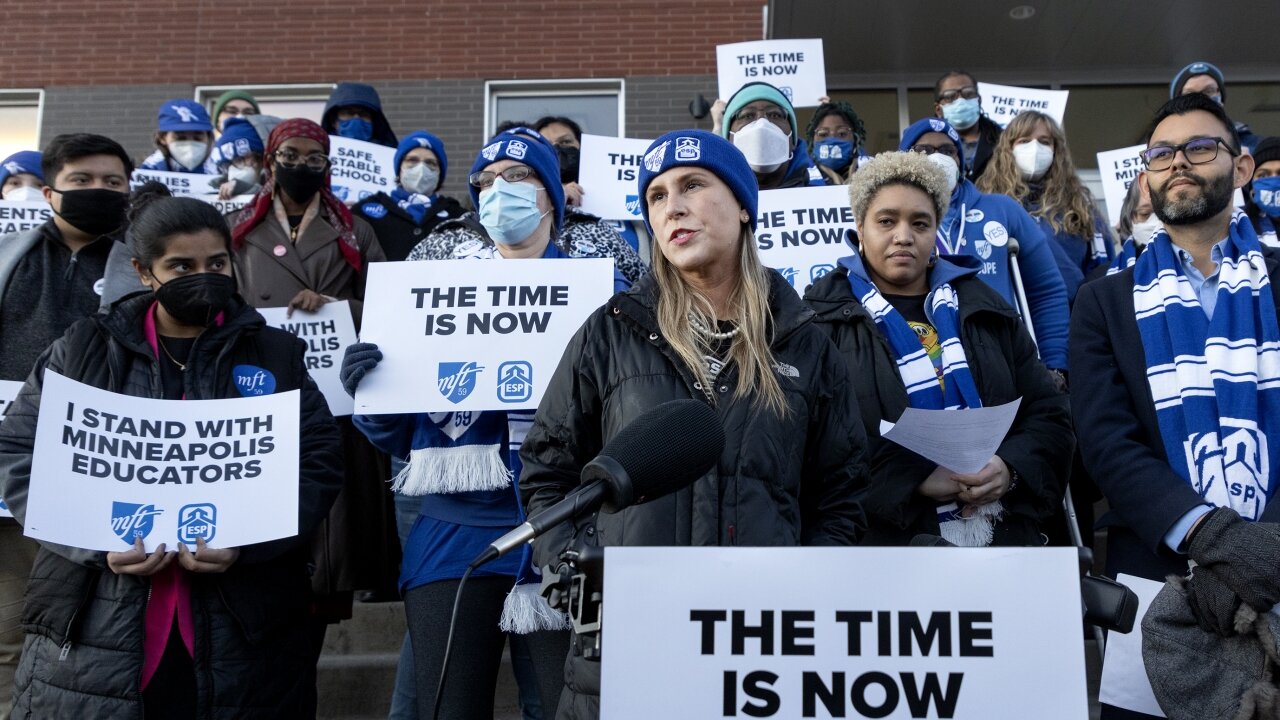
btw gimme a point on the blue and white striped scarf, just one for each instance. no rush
(1215, 383)
(1124, 259)
(925, 390)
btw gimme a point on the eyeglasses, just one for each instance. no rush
(948, 150)
(514, 174)
(947, 97)
(844, 133)
(1198, 152)
(746, 117)
(314, 161)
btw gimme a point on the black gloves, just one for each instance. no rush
(359, 359)
(1212, 602)
(1242, 555)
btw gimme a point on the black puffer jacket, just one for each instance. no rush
(397, 231)
(1002, 359)
(788, 481)
(84, 624)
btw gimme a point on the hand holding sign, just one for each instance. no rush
(136, 561)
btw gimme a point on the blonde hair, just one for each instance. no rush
(1066, 203)
(898, 168)
(679, 305)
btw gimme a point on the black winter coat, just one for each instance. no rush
(1120, 437)
(396, 229)
(1002, 359)
(780, 481)
(84, 624)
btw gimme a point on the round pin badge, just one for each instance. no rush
(280, 250)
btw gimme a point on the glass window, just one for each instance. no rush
(596, 105)
(19, 120)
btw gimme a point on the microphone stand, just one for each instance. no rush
(577, 589)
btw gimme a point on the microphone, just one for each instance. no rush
(665, 449)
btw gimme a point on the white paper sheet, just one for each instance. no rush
(958, 440)
(1124, 677)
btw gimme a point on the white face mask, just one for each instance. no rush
(1143, 231)
(189, 154)
(764, 144)
(949, 166)
(24, 193)
(419, 179)
(1032, 159)
(246, 174)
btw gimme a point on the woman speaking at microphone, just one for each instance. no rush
(924, 331)
(711, 323)
(202, 631)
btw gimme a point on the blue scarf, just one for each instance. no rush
(925, 390)
(413, 203)
(1124, 259)
(1215, 382)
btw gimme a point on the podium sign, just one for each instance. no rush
(991, 633)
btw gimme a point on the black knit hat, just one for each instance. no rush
(1267, 150)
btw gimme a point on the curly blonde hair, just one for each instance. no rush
(1066, 203)
(898, 168)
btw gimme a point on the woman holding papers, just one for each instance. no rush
(922, 331)
(200, 631)
(711, 323)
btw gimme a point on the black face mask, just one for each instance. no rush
(95, 212)
(569, 157)
(197, 299)
(299, 182)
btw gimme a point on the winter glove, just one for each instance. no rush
(1212, 602)
(359, 359)
(1244, 555)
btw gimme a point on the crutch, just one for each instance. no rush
(1068, 505)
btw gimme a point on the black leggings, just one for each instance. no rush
(477, 648)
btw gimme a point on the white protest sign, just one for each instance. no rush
(17, 216)
(801, 231)
(360, 169)
(796, 67)
(327, 332)
(107, 468)
(1003, 102)
(180, 184)
(1118, 169)
(608, 170)
(8, 391)
(230, 205)
(473, 335)
(1124, 676)
(842, 632)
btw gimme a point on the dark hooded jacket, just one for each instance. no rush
(779, 481)
(84, 624)
(1002, 359)
(361, 95)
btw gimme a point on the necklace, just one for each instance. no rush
(182, 367)
(702, 329)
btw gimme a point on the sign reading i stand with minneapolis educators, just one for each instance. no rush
(109, 468)
(801, 231)
(989, 633)
(17, 216)
(473, 335)
(8, 391)
(327, 332)
(1118, 170)
(1002, 103)
(796, 67)
(609, 169)
(360, 169)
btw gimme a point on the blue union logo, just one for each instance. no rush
(457, 380)
(633, 204)
(132, 520)
(515, 381)
(197, 521)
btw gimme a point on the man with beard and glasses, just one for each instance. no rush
(50, 277)
(1178, 417)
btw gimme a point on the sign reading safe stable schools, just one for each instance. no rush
(473, 335)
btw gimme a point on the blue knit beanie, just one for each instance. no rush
(525, 145)
(239, 138)
(1199, 67)
(422, 139)
(26, 161)
(182, 116)
(699, 148)
(752, 92)
(928, 125)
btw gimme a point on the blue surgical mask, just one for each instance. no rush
(509, 211)
(833, 153)
(1266, 194)
(355, 128)
(962, 113)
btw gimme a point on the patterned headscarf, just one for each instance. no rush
(331, 207)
